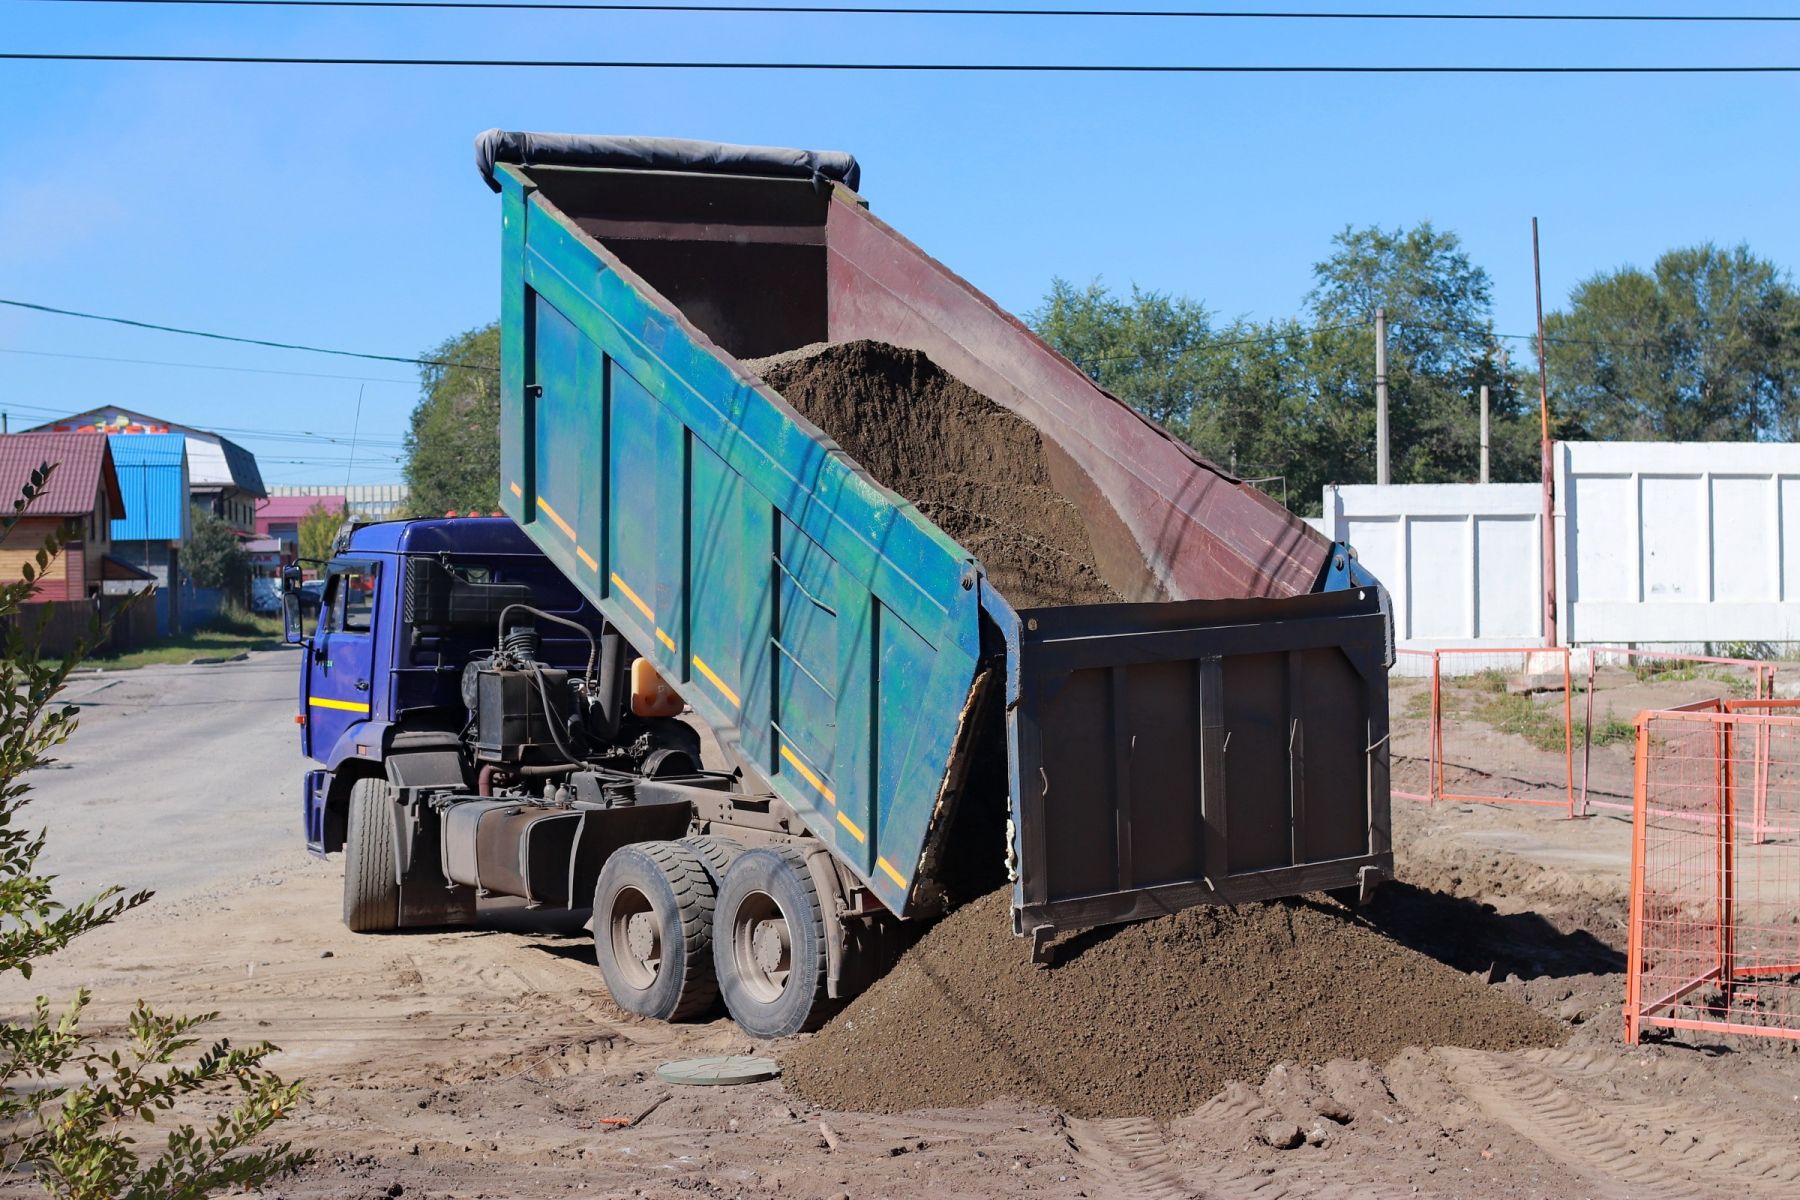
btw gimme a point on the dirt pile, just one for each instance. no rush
(1150, 1019)
(974, 469)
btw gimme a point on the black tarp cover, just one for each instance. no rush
(659, 154)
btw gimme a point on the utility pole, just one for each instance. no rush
(1545, 464)
(1484, 433)
(1381, 397)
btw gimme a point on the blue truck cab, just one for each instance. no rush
(381, 669)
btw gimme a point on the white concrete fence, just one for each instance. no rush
(1682, 545)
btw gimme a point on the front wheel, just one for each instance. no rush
(769, 943)
(371, 889)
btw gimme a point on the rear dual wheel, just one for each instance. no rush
(653, 929)
(677, 925)
(769, 943)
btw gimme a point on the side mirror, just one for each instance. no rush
(291, 630)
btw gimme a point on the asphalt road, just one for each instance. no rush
(178, 777)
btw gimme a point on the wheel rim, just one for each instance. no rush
(636, 937)
(762, 945)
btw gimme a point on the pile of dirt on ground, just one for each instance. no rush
(1149, 1019)
(973, 468)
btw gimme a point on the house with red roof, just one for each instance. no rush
(280, 517)
(83, 491)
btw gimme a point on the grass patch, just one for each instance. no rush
(1612, 731)
(1541, 726)
(232, 631)
(1737, 685)
(1490, 680)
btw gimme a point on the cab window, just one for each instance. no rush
(349, 605)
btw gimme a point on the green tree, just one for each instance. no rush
(1704, 346)
(1231, 392)
(1294, 400)
(69, 1110)
(1148, 349)
(453, 445)
(319, 530)
(213, 554)
(1441, 349)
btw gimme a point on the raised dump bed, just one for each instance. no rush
(1218, 735)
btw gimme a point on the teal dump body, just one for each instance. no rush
(840, 645)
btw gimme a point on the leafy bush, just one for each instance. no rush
(68, 1106)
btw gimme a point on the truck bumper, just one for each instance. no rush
(312, 815)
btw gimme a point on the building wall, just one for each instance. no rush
(20, 546)
(1674, 544)
(69, 574)
(366, 501)
(1679, 542)
(1461, 561)
(237, 508)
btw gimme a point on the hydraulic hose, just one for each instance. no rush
(537, 676)
(577, 626)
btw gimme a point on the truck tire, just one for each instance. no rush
(371, 891)
(653, 923)
(769, 944)
(718, 853)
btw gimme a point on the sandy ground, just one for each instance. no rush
(486, 1062)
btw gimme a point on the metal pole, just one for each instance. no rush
(1484, 433)
(1549, 538)
(1381, 397)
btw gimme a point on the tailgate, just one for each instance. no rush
(1199, 752)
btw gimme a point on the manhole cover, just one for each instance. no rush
(718, 1071)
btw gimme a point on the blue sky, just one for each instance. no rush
(340, 206)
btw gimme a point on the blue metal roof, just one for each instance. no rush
(153, 480)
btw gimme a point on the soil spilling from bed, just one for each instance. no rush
(971, 467)
(1148, 1019)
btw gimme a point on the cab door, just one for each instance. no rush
(340, 672)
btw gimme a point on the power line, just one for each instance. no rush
(911, 11)
(1212, 344)
(259, 60)
(1471, 330)
(225, 337)
(274, 435)
(156, 362)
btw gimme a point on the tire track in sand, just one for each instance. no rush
(1656, 1149)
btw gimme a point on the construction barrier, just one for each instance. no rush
(1470, 693)
(1715, 870)
(1563, 703)
(1614, 684)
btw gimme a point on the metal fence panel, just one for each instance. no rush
(1715, 872)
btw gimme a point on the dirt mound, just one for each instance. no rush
(974, 469)
(1150, 1019)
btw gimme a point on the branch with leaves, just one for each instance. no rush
(67, 1106)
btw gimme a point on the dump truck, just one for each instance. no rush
(507, 705)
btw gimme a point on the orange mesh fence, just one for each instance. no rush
(1615, 683)
(1502, 727)
(1715, 871)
